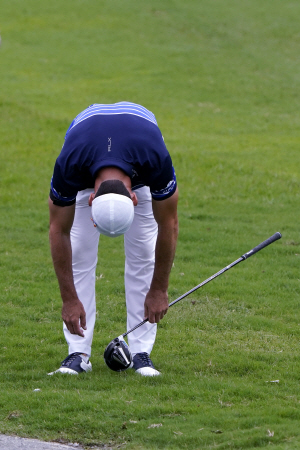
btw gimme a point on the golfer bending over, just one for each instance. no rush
(114, 176)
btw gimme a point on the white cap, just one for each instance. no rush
(112, 214)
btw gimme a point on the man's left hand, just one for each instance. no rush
(156, 305)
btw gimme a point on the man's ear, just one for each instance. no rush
(91, 198)
(134, 198)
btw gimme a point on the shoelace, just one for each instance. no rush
(145, 359)
(69, 359)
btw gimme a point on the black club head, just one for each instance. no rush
(117, 355)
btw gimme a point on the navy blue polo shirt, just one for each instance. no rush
(123, 135)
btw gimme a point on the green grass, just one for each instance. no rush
(223, 81)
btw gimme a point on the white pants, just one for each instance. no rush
(139, 243)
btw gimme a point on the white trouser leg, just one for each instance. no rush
(140, 242)
(84, 241)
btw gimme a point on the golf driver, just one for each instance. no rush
(117, 354)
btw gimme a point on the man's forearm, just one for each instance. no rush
(165, 213)
(164, 255)
(61, 251)
(156, 301)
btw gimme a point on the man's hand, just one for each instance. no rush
(73, 314)
(156, 305)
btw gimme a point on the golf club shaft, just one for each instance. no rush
(256, 249)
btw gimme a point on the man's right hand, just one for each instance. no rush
(73, 314)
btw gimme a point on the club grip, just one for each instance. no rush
(262, 245)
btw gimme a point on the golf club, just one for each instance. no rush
(247, 255)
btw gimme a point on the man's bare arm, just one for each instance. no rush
(165, 213)
(61, 220)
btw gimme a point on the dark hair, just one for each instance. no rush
(112, 187)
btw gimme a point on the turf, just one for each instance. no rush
(223, 81)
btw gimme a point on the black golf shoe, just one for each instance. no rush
(74, 364)
(143, 365)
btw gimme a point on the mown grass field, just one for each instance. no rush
(223, 81)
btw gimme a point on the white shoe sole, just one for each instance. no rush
(64, 370)
(148, 372)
